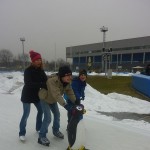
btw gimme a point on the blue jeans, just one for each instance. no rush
(26, 112)
(47, 108)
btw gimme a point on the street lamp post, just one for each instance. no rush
(104, 30)
(55, 57)
(22, 39)
(79, 60)
(71, 56)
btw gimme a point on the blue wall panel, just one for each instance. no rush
(141, 83)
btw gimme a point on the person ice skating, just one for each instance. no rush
(34, 79)
(57, 85)
(78, 86)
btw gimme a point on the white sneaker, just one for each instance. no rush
(22, 138)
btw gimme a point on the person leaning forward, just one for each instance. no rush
(57, 85)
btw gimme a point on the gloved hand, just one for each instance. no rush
(81, 105)
(77, 102)
(68, 107)
(81, 98)
(44, 86)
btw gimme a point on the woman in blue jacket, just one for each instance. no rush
(78, 86)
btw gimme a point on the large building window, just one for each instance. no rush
(82, 59)
(114, 58)
(147, 56)
(126, 57)
(75, 60)
(98, 59)
(138, 57)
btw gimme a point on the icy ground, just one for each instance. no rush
(107, 122)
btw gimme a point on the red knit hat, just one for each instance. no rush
(34, 55)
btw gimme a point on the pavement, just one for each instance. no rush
(127, 115)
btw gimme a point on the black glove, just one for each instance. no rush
(68, 107)
(81, 98)
(44, 86)
(77, 102)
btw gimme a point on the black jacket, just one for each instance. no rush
(34, 79)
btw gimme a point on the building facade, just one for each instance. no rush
(117, 55)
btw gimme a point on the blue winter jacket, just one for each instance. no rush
(78, 87)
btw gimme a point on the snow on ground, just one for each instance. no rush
(104, 131)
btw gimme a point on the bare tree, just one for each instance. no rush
(6, 57)
(61, 62)
(22, 58)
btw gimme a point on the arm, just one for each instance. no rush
(55, 91)
(70, 93)
(76, 89)
(28, 80)
(83, 94)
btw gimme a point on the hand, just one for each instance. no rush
(44, 86)
(77, 102)
(81, 98)
(81, 105)
(68, 107)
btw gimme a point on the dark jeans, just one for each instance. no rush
(26, 112)
(47, 108)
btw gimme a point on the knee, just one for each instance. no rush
(40, 111)
(57, 114)
(48, 120)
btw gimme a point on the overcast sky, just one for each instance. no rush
(64, 23)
